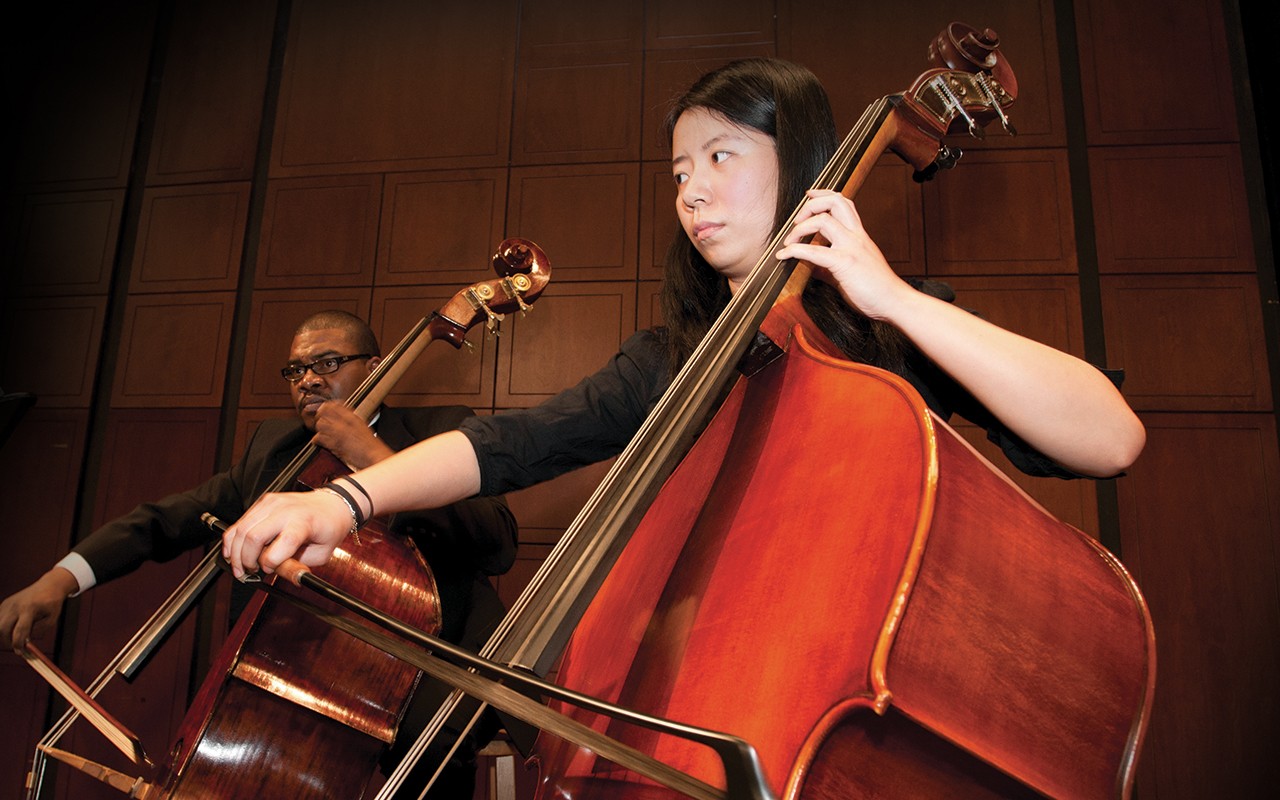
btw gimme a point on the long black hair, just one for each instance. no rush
(786, 102)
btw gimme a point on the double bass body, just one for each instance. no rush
(837, 577)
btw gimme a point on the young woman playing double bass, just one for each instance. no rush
(746, 140)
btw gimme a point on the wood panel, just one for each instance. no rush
(440, 227)
(247, 422)
(891, 206)
(864, 51)
(173, 351)
(571, 333)
(211, 99)
(1188, 342)
(658, 221)
(1200, 518)
(441, 375)
(41, 465)
(190, 238)
(649, 305)
(319, 232)
(396, 85)
(1179, 208)
(51, 348)
(672, 24)
(550, 127)
(41, 459)
(67, 243)
(272, 320)
(1001, 213)
(79, 78)
(1136, 90)
(558, 27)
(584, 217)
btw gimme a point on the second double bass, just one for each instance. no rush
(290, 708)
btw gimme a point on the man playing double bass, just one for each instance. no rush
(464, 543)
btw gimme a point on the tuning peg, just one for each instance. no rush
(494, 324)
(515, 286)
(993, 91)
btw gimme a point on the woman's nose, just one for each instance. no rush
(694, 192)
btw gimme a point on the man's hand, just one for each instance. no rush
(340, 431)
(33, 611)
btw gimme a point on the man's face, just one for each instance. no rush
(312, 390)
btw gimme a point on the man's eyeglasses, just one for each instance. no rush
(294, 372)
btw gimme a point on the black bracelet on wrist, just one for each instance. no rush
(359, 488)
(357, 517)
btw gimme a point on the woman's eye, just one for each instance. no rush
(679, 178)
(719, 155)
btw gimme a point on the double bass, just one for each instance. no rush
(874, 607)
(291, 707)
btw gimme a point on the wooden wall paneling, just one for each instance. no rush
(41, 464)
(442, 375)
(658, 220)
(668, 73)
(319, 232)
(584, 217)
(66, 243)
(557, 27)
(190, 238)
(649, 305)
(1200, 519)
(1177, 208)
(578, 109)
(672, 24)
(1001, 213)
(272, 320)
(81, 73)
(1187, 342)
(247, 422)
(397, 85)
(50, 348)
(441, 227)
(173, 350)
(571, 333)
(891, 206)
(210, 105)
(148, 454)
(864, 51)
(1136, 90)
